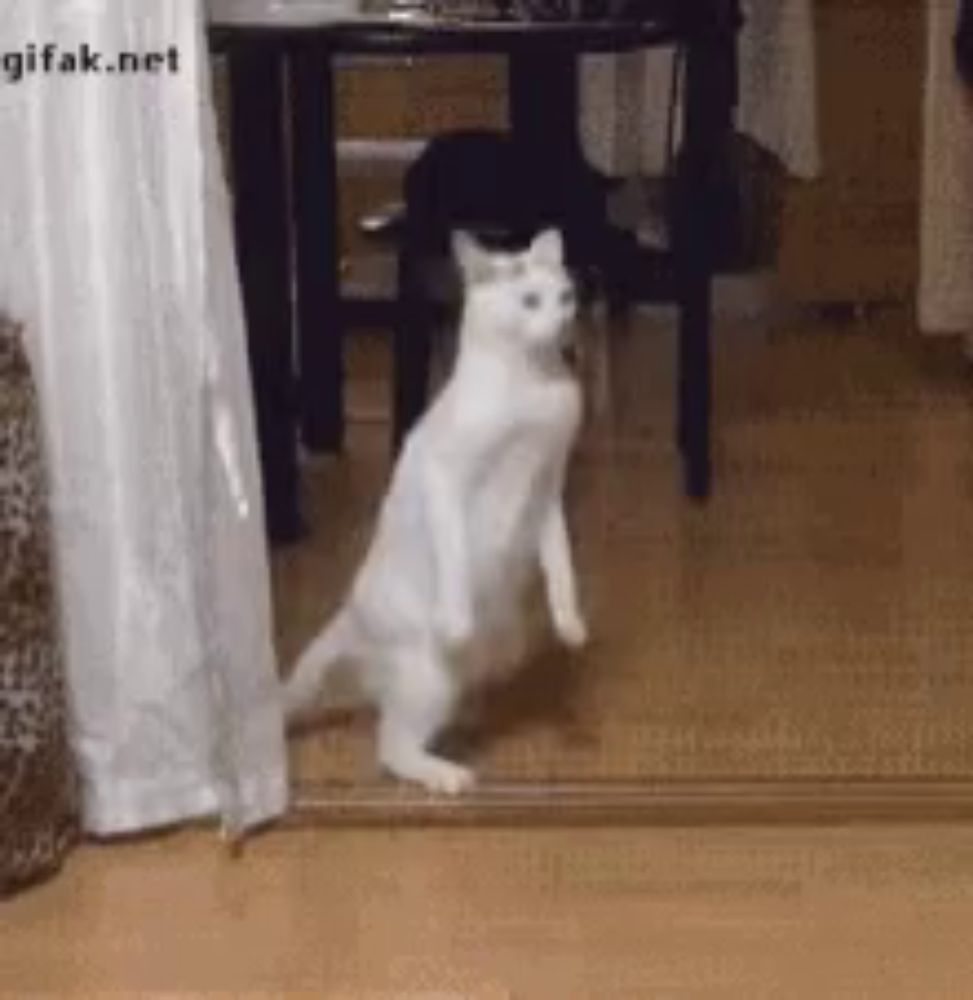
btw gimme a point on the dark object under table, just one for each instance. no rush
(286, 206)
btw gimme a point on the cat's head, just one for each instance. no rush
(527, 297)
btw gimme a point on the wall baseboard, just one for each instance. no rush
(681, 803)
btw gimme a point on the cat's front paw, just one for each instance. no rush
(573, 632)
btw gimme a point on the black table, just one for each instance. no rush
(286, 206)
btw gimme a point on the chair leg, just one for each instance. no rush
(694, 285)
(412, 352)
(616, 263)
(695, 385)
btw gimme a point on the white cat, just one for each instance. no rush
(474, 508)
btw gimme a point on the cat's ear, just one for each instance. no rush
(547, 249)
(473, 261)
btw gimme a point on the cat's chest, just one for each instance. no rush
(532, 417)
(520, 444)
(522, 451)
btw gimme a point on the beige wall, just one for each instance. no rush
(853, 234)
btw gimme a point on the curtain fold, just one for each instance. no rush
(116, 250)
(946, 198)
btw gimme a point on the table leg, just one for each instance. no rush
(709, 101)
(544, 105)
(260, 218)
(314, 174)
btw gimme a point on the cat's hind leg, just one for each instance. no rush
(416, 702)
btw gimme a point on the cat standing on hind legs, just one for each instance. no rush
(473, 511)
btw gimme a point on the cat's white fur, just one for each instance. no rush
(473, 510)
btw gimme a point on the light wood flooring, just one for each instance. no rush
(811, 622)
(813, 619)
(479, 915)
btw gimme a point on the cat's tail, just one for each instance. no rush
(305, 684)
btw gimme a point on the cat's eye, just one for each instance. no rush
(567, 297)
(531, 300)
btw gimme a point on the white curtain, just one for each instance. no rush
(115, 250)
(946, 202)
(625, 98)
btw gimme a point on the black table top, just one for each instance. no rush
(384, 36)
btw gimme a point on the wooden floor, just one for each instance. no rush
(882, 913)
(811, 622)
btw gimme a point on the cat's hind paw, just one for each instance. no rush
(447, 778)
(435, 774)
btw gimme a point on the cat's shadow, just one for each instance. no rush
(544, 694)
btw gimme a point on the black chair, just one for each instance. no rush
(480, 181)
(487, 183)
